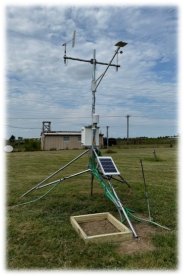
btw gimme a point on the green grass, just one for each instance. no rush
(40, 236)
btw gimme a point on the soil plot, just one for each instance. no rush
(92, 228)
(100, 227)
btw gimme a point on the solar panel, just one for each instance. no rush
(107, 165)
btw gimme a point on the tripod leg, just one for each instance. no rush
(53, 174)
(92, 178)
(122, 178)
(123, 211)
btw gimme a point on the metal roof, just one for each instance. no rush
(62, 133)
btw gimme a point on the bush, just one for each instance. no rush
(32, 145)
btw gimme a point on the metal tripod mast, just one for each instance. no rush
(94, 85)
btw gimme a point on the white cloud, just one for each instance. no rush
(40, 85)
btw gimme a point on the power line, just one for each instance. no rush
(50, 118)
(22, 127)
(72, 117)
(77, 117)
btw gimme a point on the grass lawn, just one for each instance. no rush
(40, 236)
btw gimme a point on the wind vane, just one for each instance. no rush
(73, 44)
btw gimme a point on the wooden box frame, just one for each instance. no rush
(123, 232)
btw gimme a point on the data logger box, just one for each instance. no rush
(87, 136)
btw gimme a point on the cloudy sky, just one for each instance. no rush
(41, 87)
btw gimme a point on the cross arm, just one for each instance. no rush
(92, 61)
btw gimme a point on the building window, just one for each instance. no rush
(66, 138)
(79, 138)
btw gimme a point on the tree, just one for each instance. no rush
(12, 139)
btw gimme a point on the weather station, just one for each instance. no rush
(102, 168)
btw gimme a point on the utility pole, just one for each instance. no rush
(107, 136)
(128, 116)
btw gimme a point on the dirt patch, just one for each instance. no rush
(143, 243)
(98, 227)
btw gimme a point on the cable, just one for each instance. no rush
(146, 220)
(34, 200)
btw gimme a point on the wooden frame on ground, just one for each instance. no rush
(120, 233)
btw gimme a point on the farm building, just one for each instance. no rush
(58, 140)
